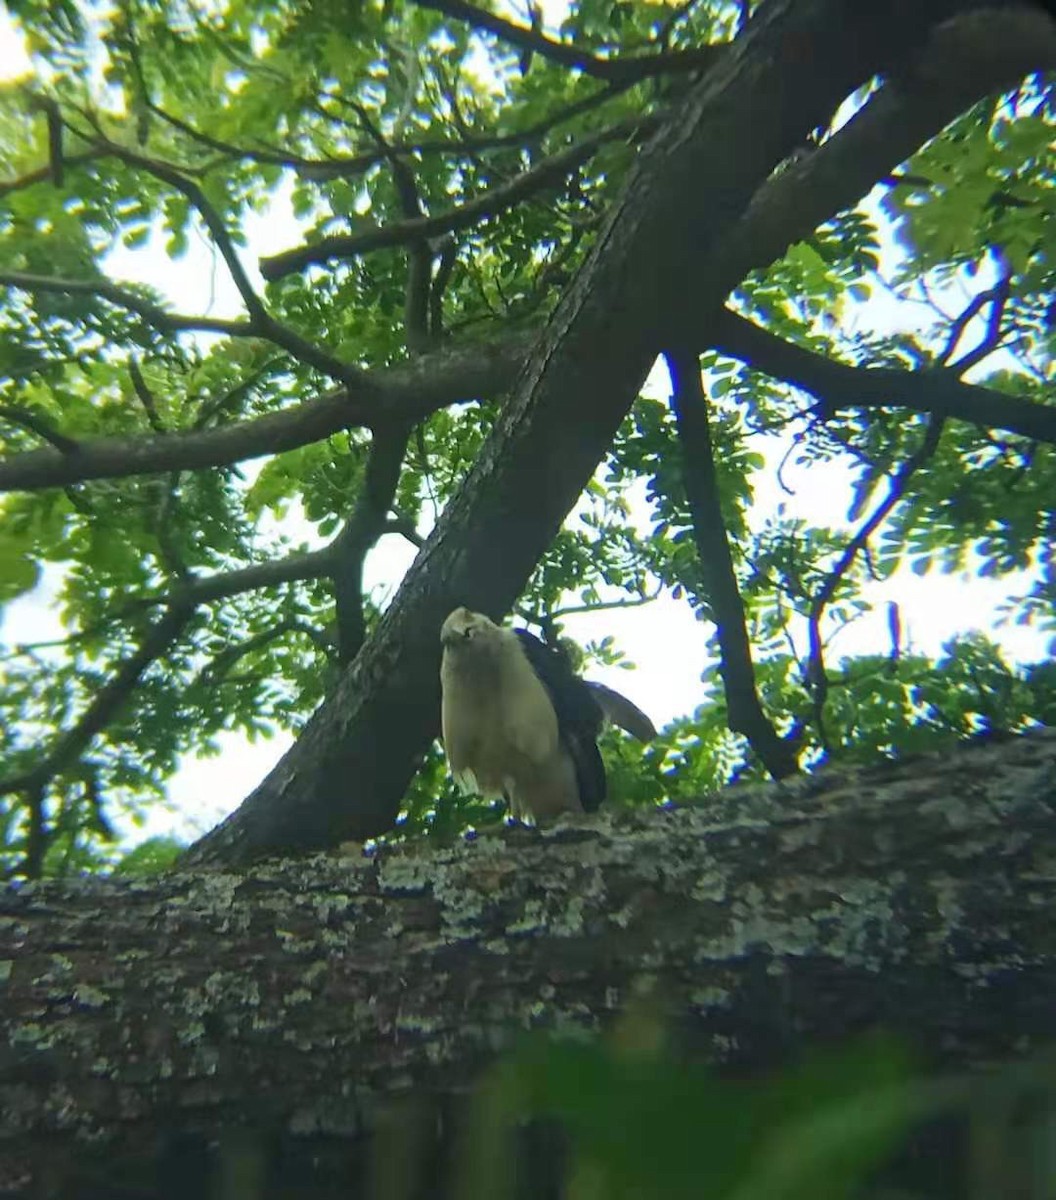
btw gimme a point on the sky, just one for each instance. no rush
(663, 639)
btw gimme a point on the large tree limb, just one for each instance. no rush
(146, 1021)
(409, 391)
(840, 385)
(660, 244)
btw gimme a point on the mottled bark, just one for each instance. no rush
(299, 1000)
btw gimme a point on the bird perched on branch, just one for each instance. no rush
(519, 723)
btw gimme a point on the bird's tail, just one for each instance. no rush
(623, 712)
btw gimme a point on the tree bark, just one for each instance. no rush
(149, 1021)
(783, 78)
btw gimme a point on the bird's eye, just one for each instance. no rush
(467, 633)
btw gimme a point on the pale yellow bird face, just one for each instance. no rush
(464, 629)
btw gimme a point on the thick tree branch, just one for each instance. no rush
(489, 204)
(840, 386)
(410, 391)
(745, 710)
(299, 1002)
(965, 59)
(622, 70)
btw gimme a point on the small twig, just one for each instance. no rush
(145, 395)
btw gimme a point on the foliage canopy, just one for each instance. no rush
(437, 174)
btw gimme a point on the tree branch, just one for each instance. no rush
(299, 1012)
(261, 322)
(69, 746)
(965, 59)
(214, 222)
(817, 679)
(206, 589)
(745, 709)
(623, 70)
(364, 527)
(410, 391)
(25, 418)
(44, 173)
(154, 314)
(839, 385)
(489, 204)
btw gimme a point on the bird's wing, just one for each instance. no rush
(623, 712)
(579, 715)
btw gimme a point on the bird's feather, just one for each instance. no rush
(579, 716)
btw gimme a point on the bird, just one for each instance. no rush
(518, 723)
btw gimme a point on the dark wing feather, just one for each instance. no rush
(579, 716)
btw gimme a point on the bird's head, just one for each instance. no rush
(464, 629)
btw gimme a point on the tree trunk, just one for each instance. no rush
(666, 259)
(159, 1031)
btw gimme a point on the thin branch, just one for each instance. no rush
(206, 589)
(839, 385)
(111, 698)
(419, 254)
(261, 322)
(490, 203)
(145, 396)
(817, 680)
(214, 222)
(156, 316)
(441, 279)
(168, 549)
(746, 713)
(625, 70)
(25, 418)
(366, 524)
(215, 407)
(44, 173)
(556, 614)
(409, 392)
(997, 298)
(222, 663)
(406, 529)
